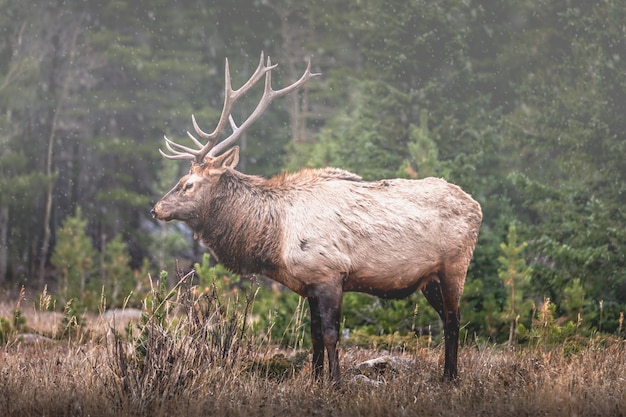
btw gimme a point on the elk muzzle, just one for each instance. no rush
(158, 213)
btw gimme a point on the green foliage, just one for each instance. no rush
(17, 323)
(181, 330)
(573, 300)
(371, 136)
(6, 331)
(374, 316)
(168, 242)
(18, 320)
(280, 315)
(545, 332)
(570, 139)
(479, 306)
(574, 238)
(75, 260)
(118, 277)
(217, 275)
(72, 323)
(73, 256)
(157, 303)
(157, 307)
(17, 183)
(424, 155)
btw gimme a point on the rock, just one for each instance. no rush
(382, 366)
(122, 314)
(33, 338)
(365, 380)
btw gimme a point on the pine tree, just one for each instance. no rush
(516, 277)
(423, 152)
(117, 275)
(371, 136)
(73, 256)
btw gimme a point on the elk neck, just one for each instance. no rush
(242, 223)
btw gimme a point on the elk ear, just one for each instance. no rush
(228, 159)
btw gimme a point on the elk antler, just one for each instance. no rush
(230, 97)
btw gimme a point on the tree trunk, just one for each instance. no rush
(45, 247)
(295, 38)
(511, 334)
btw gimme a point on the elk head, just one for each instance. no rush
(211, 159)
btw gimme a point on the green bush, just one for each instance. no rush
(376, 316)
(278, 314)
(117, 276)
(282, 316)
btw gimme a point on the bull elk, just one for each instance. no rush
(322, 232)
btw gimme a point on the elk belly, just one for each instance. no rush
(387, 285)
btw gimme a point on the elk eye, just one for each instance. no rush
(188, 186)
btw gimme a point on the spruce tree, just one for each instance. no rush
(73, 256)
(117, 276)
(516, 277)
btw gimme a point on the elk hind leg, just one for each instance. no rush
(447, 306)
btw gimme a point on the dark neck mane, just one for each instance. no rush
(242, 224)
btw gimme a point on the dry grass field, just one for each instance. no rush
(191, 367)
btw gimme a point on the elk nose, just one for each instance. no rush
(153, 212)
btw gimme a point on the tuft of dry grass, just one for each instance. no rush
(213, 367)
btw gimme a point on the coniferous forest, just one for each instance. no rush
(521, 103)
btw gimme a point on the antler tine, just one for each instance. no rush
(258, 73)
(268, 96)
(230, 98)
(233, 125)
(303, 79)
(225, 109)
(177, 148)
(170, 145)
(199, 131)
(177, 157)
(196, 141)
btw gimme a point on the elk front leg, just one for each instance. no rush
(325, 307)
(317, 338)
